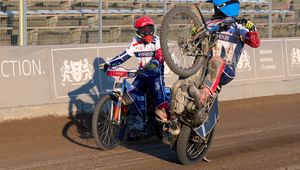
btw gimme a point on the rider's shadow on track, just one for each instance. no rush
(82, 102)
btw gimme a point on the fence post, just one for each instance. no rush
(270, 19)
(165, 6)
(100, 20)
(23, 22)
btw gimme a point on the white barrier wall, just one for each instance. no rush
(43, 80)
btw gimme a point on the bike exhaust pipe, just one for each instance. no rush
(194, 93)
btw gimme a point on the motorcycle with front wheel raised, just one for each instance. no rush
(186, 41)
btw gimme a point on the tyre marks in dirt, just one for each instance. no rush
(266, 136)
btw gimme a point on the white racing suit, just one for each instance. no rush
(153, 80)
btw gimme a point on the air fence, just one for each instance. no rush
(60, 80)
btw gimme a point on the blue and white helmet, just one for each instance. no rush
(230, 8)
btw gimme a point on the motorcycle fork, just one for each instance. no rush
(116, 109)
(117, 112)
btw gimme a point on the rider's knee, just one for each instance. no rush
(216, 62)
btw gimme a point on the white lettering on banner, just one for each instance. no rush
(266, 59)
(268, 67)
(266, 51)
(20, 68)
(76, 72)
(295, 57)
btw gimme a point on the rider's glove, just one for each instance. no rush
(152, 65)
(194, 31)
(104, 66)
(248, 25)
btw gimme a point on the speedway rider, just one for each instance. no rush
(226, 52)
(146, 48)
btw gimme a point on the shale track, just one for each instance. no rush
(257, 133)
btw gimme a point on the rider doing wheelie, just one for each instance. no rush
(225, 54)
(146, 48)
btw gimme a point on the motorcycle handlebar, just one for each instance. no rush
(130, 73)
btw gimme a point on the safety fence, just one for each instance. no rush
(36, 80)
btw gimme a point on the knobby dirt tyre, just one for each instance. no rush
(185, 143)
(183, 72)
(106, 134)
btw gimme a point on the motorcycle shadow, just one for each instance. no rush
(154, 147)
(79, 131)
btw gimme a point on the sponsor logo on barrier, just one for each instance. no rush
(266, 51)
(267, 60)
(244, 62)
(76, 72)
(21, 68)
(295, 57)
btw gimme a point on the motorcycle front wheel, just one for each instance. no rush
(107, 133)
(184, 40)
(190, 147)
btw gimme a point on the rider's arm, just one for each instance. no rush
(121, 58)
(249, 37)
(158, 53)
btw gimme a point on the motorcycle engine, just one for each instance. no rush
(181, 98)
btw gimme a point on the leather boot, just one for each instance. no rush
(200, 99)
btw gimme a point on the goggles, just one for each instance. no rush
(144, 31)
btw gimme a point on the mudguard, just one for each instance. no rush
(209, 125)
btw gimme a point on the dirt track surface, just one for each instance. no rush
(257, 133)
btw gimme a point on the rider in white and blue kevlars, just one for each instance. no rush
(146, 48)
(228, 48)
(231, 37)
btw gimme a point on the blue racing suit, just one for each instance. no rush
(224, 57)
(152, 80)
(226, 52)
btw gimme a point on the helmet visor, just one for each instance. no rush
(147, 30)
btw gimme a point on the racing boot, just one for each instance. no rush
(174, 128)
(165, 117)
(200, 99)
(162, 115)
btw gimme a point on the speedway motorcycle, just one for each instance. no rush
(125, 111)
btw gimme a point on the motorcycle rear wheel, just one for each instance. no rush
(182, 51)
(107, 134)
(188, 151)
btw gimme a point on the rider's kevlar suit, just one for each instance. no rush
(147, 53)
(224, 57)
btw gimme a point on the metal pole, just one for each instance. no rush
(23, 22)
(100, 20)
(165, 6)
(270, 19)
